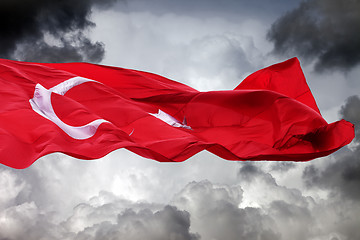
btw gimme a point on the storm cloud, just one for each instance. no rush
(343, 175)
(49, 31)
(215, 213)
(167, 223)
(351, 112)
(320, 30)
(256, 207)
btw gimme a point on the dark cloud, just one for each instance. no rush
(324, 30)
(253, 177)
(115, 218)
(248, 171)
(47, 30)
(168, 223)
(343, 175)
(296, 213)
(224, 9)
(297, 219)
(351, 112)
(282, 166)
(75, 50)
(201, 210)
(215, 213)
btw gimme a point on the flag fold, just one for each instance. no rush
(86, 111)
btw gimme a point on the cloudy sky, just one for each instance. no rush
(209, 45)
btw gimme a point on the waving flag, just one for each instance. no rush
(86, 111)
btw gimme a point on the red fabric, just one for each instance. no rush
(271, 115)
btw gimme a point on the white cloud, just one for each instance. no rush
(198, 209)
(207, 53)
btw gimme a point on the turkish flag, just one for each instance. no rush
(86, 111)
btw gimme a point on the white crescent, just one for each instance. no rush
(41, 103)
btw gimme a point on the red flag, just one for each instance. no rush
(86, 111)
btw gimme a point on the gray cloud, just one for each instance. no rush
(324, 30)
(215, 213)
(282, 166)
(225, 9)
(297, 219)
(168, 223)
(223, 59)
(298, 214)
(351, 112)
(341, 178)
(103, 217)
(343, 175)
(79, 49)
(50, 31)
(264, 187)
(201, 210)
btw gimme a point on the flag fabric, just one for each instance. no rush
(86, 111)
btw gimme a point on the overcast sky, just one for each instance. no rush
(209, 45)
